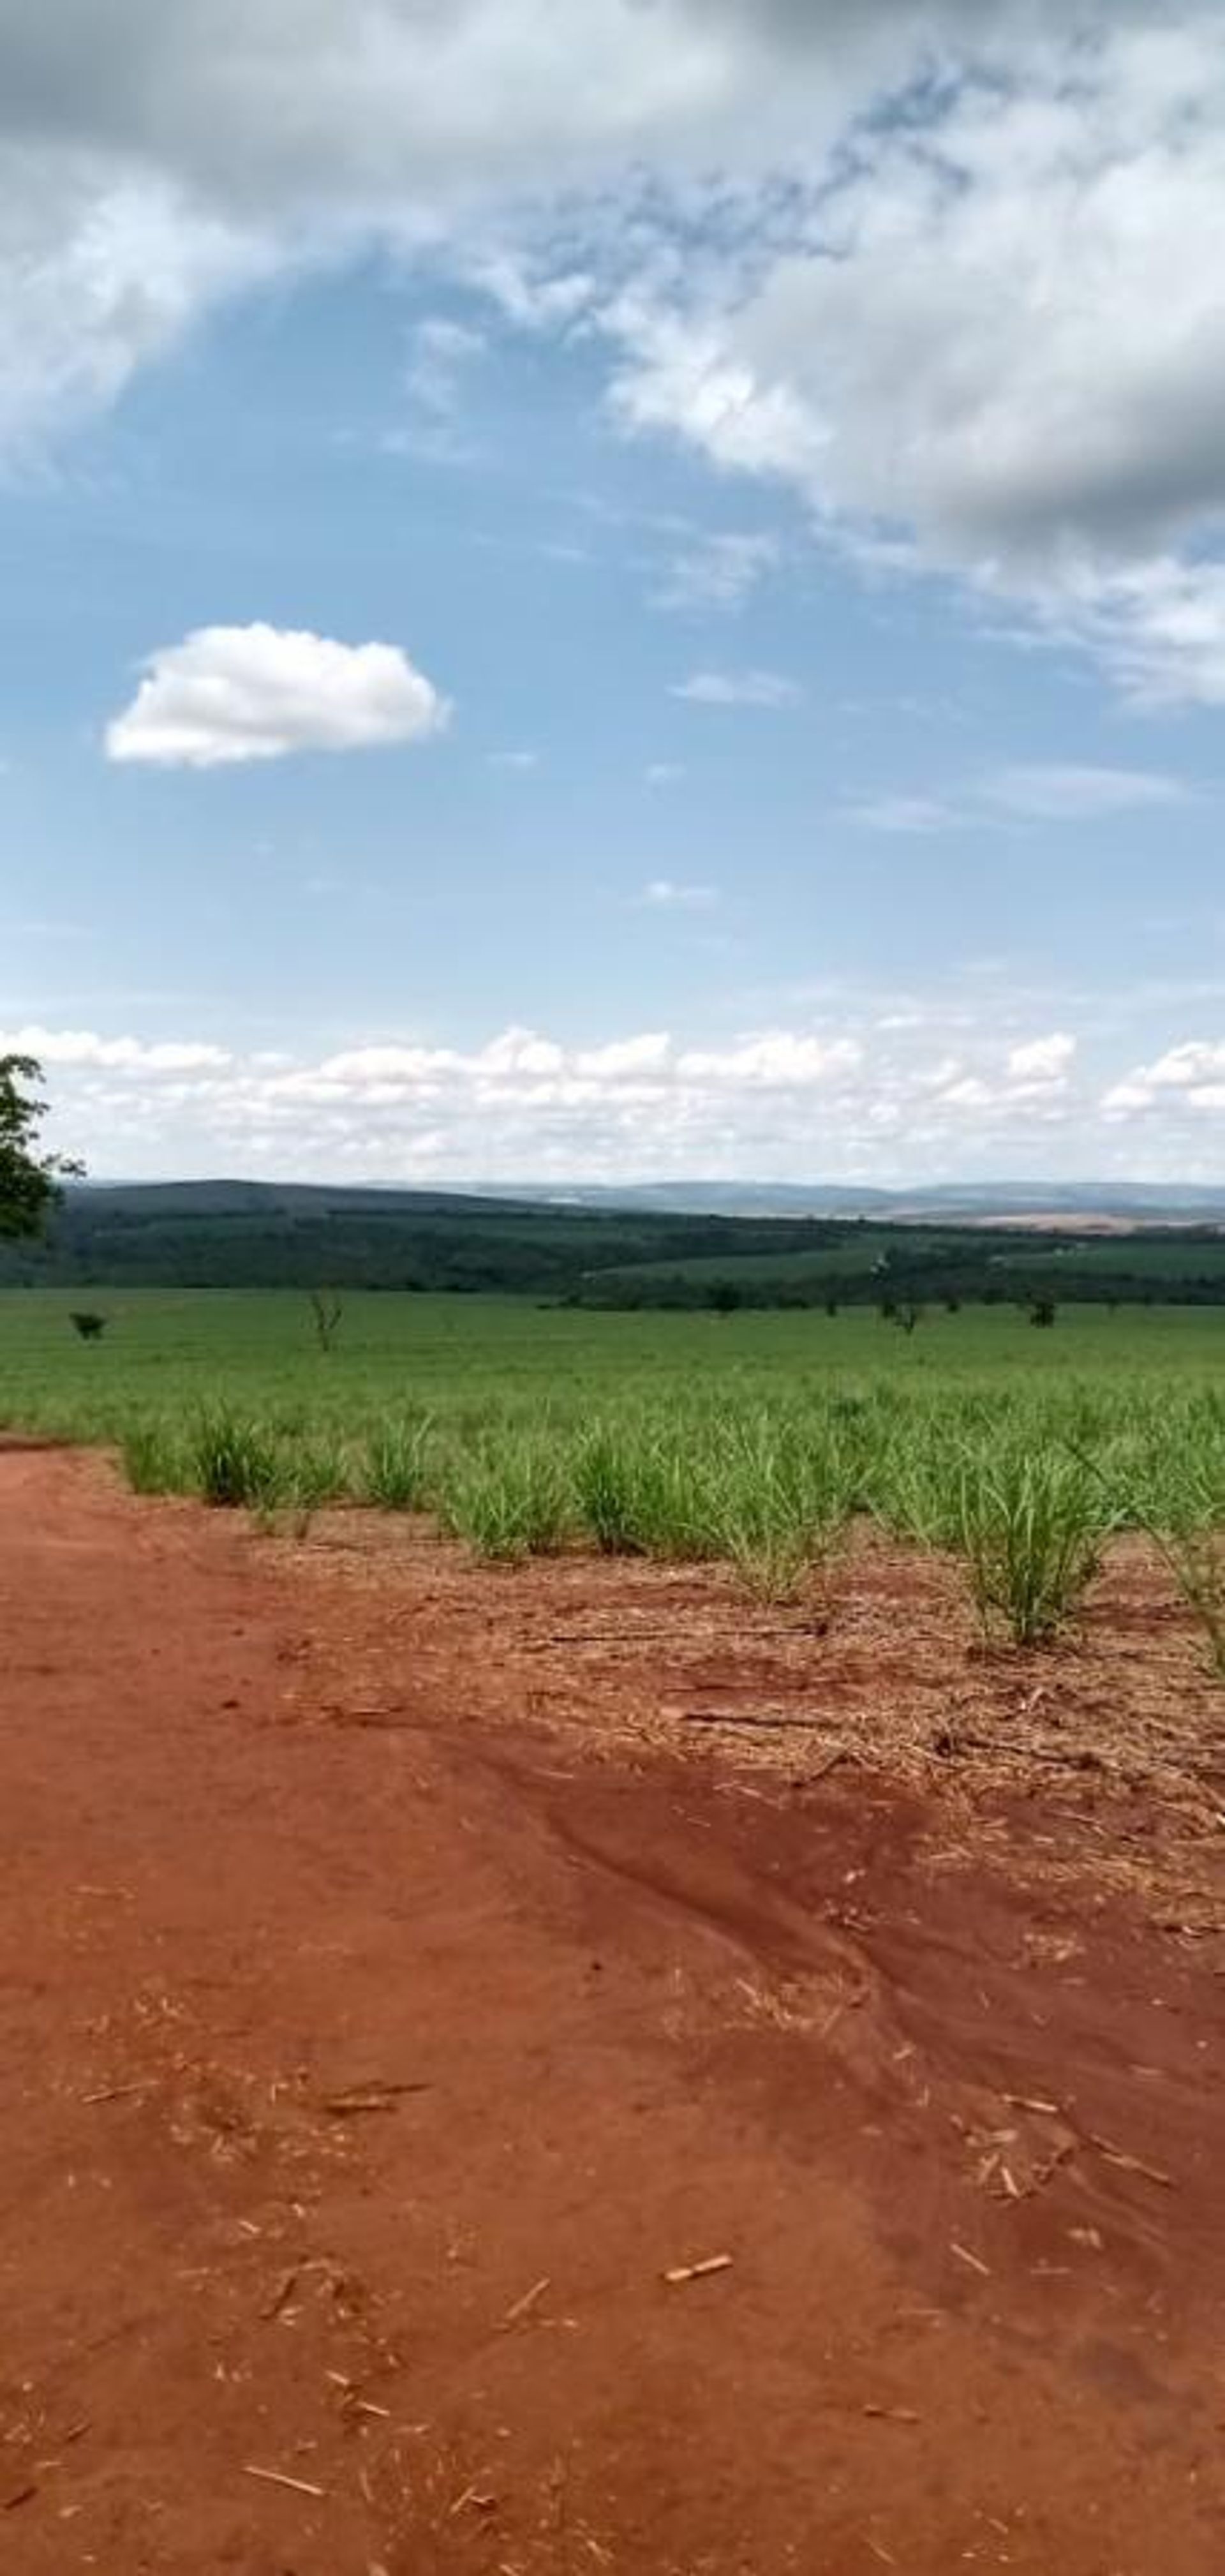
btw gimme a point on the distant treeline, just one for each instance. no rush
(249, 1235)
(950, 1287)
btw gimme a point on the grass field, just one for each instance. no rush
(754, 1439)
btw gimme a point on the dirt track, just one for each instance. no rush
(359, 2083)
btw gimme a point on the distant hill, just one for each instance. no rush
(767, 1246)
(1124, 1202)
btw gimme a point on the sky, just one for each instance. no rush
(615, 590)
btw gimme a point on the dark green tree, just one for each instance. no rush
(29, 1180)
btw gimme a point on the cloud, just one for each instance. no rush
(443, 354)
(83, 1048)
(516, 760)
(238, 693)
(443, 351)
(939, 283)
(666, 896)
(901, 814)
(983, 350)
(932, 1090)
(718, 572)
(1034, 792)
(1070, 794)
(664, 773)
(738, 689)
(1042, 1064)
(1190, 1076)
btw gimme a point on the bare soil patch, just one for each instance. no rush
(406, 1970)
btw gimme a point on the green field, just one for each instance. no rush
(755, 1439)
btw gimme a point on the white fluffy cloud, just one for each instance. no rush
(862, 1095)
(1190, 1076)
(986, 349)
(1041, 1064)
(237, 693)
(83, 1049)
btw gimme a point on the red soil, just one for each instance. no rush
(370, 2054)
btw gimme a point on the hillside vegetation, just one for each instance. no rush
(258, 1235)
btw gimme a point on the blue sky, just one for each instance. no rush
(554, 641)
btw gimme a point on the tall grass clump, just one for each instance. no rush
(509, 1501)
(647, 1486)
(154, 1458)
(1031, 1527)
(233, 1461)
(1186, 1533)
(1196, 1558)
(786, 1492)
(394, 1468)
(608, 1490)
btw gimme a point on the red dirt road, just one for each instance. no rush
(360, 2083)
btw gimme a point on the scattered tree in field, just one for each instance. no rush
(327, 1308)
(725, 1297)
(906, 1315)
(831, 1305)
(1042, 1311)
(952, 1305)
(90, 1327)
(29, 1181)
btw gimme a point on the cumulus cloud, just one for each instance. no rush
(984, 350)
(79, 1049)
(1042, 1064)
(738, 689)
(925, 1090)
(239, 693)
(1190, 1076)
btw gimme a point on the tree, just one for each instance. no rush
(1042, 1311)
(327, 1309)
(29, 1180)
(725, 1297)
